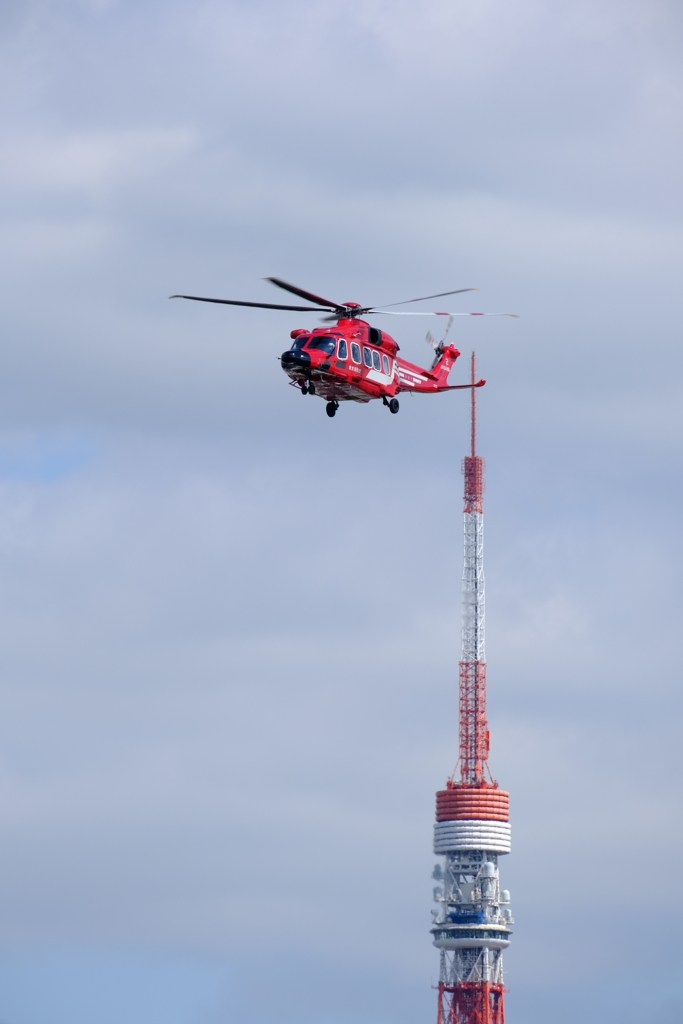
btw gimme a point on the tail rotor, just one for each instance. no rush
(438, 345)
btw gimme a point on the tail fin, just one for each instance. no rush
(443, 363)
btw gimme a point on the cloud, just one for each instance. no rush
(229, 626)
(92, 163)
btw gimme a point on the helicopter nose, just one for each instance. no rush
(295, 360)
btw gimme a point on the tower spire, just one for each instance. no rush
(474, 733)
(472, 923)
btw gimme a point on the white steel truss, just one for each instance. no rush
(473, 648)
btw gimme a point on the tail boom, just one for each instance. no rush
(418, 380)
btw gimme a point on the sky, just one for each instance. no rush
(229, 626)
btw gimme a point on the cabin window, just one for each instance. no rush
(375, 336)
(375, 360)
(342, 349)
(299, 342)
(367, 357)
(355, 352)
(385, 365)
(323, 342)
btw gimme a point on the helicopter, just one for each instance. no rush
(353, 361)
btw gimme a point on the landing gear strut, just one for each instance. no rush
(331, 408)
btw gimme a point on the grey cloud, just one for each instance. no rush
(229, 627)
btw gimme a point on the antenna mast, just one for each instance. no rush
(474, 733)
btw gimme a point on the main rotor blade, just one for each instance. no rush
(405, 312)
(302, 294)
(258, 305)
(439, 295)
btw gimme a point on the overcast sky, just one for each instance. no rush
(229, 627)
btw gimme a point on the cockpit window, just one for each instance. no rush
(342, 351)
(323, 342)
(299, 342)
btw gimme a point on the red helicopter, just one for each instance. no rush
(352, 361)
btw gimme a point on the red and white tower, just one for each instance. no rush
(472, 923)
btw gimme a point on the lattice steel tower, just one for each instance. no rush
(472, 923)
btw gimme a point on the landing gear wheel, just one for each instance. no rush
(304, 389)
(311, 389)
(331, 408)
(393, 405)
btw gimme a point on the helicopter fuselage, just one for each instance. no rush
(354, 362)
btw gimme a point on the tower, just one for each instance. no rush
(471, 926)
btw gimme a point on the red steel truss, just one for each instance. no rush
(471, 1002)
(474, 731)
